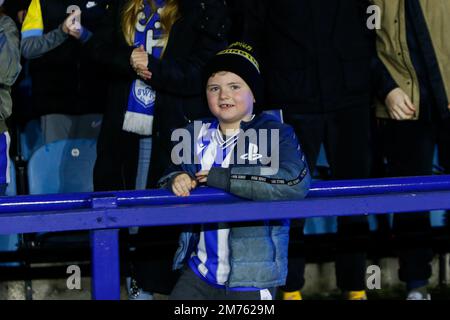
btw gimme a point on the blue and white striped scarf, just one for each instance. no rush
(141, 100)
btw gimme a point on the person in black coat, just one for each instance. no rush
(237, 16)
(65, 84)
(16, 9)
(195, 32)
(315, 58)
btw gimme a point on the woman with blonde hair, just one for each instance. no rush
(153, 53)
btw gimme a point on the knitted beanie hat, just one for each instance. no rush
(238, 58)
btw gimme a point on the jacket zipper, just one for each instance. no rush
(227, 283)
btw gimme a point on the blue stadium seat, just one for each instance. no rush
(277, 113)
(437, 217)
(62, 166)
(8, 243)
(320, 225)
(11, 190)
(322, 158)
(31, 138)
(323, 225)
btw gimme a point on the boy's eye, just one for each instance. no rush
(213, 89)
(235, 87)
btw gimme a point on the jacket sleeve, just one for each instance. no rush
(170, 174)
(34, 42)
(290, 180)
(36, 46)
(383, 83)
(183, 76)
(9, 52)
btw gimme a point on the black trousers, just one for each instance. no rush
(192, 287)
(345, 135)
(409, 148)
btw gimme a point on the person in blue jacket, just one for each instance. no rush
(251, 156)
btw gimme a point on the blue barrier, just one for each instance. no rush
(103, 213)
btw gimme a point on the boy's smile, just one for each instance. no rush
(226, 105)
(230, 99)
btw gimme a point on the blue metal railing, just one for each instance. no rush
(72, 201)
(103, 213)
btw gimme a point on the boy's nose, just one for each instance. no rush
(224, 94)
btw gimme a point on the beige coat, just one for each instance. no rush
(392, 46)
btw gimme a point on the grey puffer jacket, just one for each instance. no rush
(9, 66)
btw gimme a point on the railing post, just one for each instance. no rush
(105, 257)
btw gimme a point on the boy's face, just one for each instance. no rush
(229, 98)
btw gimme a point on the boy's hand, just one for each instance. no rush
(183, 184)
(202, 176)
(399, 105)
